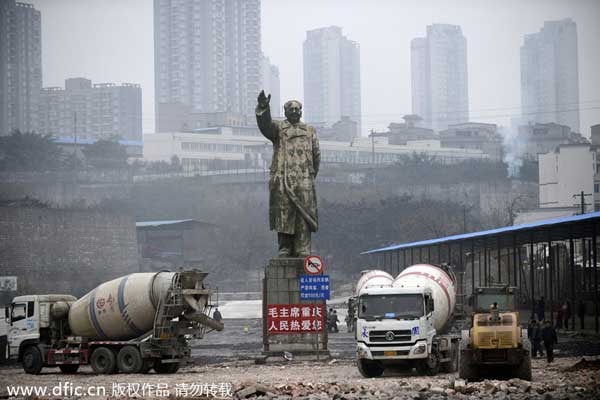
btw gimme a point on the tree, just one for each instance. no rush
(29, 152)
(106, 154)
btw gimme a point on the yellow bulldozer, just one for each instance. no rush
(495, 344)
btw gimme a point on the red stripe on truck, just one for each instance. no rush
(369, 278)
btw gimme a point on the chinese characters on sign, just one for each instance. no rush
(314, 287)
(294, 318)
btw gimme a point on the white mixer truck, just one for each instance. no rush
(130, 324)
(404, 322)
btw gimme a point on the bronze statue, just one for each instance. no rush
(292, 194)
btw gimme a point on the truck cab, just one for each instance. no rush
(28, 322)
(394, 323)
(395, 327)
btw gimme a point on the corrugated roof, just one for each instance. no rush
(490, 232)
(143, 224)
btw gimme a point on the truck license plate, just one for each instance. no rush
(389, 353)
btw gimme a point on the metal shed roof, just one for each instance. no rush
(173, 224)
(561, 224)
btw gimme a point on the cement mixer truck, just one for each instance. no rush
(406, 322)
(131, 324)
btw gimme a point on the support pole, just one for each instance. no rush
(499, 258)
(551, 272)
(515, 261)
(595, 263)
(572, 262)
(532, 276)
(485, 263)
(472, 266)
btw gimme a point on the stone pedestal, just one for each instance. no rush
(281, 285)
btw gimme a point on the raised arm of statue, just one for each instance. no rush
(263, 116)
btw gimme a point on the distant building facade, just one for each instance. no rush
(567, 171)
(271, 85)
(20, 66)
(545, 138)
(410, 130)
(331, 77)
(91, 111)
(240, 148)
(344, 130)
(474, 135)
(207, 58)
(549, 75)
(439, 76)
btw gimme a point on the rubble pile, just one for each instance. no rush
(458, 389)
(560, 380)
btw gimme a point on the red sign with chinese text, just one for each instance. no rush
(294, 318)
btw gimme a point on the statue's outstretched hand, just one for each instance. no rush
(263, 101)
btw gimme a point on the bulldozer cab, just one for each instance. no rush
(502, 296)
(495, 321)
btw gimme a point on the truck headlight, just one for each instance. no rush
(421, 348)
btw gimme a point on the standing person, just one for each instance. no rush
(536, 340)
(550, 339)
(330, 320)
(217, 315)
(581, 313)
(541, 309)
(334, 322)
(531, 328)
(567, 313)
(294, 169)
(559, 317)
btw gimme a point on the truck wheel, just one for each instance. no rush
(147, 365)
(129, 360)
(166, 368)
(524, 369)
(68, 368)
(429, 366)
(466, 368)
(104, 361)
(32, 360)
(370, 369)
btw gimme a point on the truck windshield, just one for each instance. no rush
(404, 306)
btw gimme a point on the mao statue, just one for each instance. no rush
(292, 195)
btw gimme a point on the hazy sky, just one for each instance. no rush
(112, 41)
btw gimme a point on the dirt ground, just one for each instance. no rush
(223, 367)
(567, 377)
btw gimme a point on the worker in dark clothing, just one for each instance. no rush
(536, 340)
(541, 308)
(334, 322)
(550, 339)
(581, 313)
(530, 328)
(217, 315)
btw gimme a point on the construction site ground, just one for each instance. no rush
(224, 367)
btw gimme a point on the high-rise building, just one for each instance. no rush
(270, 84)
(207, 59)
(331, 77)
(20, 66)
(549, 75)
(440, 90)
(92, 111)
